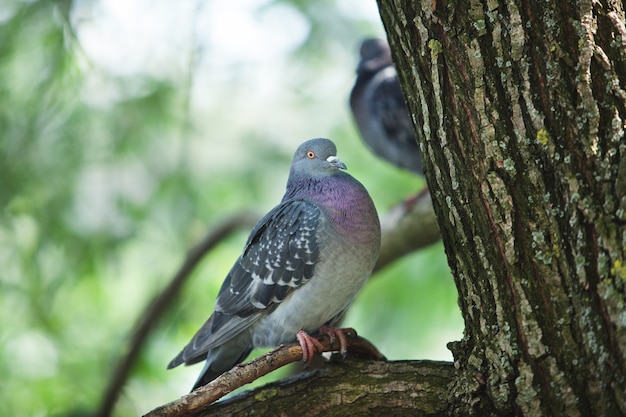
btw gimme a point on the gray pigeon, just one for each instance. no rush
(380, 110)
(301, 267)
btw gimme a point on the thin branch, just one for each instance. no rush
(250, 371)
(159, 305)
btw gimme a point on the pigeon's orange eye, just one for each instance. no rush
(310, 154)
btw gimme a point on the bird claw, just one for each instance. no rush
(335, 333)
(311, 346)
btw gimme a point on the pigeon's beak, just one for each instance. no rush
(336, 162)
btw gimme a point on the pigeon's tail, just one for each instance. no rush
(220, 360)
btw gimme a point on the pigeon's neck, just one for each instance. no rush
(344, 200)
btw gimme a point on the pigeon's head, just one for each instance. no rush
(316, 157)
(375, 55)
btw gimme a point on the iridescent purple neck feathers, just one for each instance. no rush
(343, 199)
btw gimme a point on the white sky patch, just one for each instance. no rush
(129, 37)
(243, 30)
(156, 36)
(359, 9)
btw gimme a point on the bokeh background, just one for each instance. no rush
(127, 129)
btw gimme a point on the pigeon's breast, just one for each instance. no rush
(349, 240)
(342, 270)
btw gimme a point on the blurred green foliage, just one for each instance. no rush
(107, 179)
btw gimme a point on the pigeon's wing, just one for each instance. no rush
(396, 138)
(389, 106)
(279, 257)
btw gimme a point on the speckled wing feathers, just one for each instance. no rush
(280, 256)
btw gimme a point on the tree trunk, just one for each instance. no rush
(519, 109)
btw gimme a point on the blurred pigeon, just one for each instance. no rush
(380, 110)
(301, 267)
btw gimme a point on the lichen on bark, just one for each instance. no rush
(519, 110)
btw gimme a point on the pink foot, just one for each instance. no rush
(338, 333)
(311, 346)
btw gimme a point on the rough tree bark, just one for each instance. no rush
(519, 108)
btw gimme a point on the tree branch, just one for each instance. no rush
(248, 372)
(347, 389)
